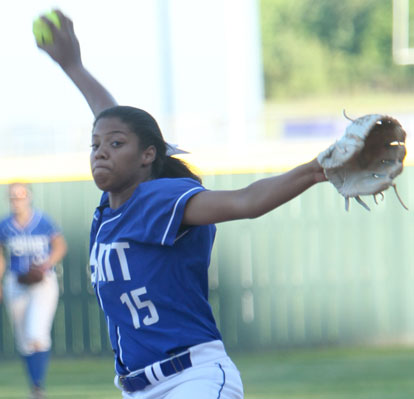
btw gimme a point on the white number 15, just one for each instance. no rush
(136, 303)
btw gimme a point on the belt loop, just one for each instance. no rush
(150, 375)
(158, 371)
(177, 366)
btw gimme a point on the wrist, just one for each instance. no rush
(46, 266)
(317, 171)
(73, 68)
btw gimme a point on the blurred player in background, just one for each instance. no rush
(151, 241)
(33, 245)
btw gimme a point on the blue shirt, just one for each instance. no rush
(28, 244)
(150, 273)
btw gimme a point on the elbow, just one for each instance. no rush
(61, 247)
(64, 248)
(259, 210)
(256, 214)
(250, 212)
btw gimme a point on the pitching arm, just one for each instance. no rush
(65, 51)
(254, 200)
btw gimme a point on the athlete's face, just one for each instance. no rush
(118, 163)
(19, 199)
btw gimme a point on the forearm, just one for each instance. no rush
(2, 264)
(57, 252)
(265, 195)
(253, 201)
(96, 95)
(2, 270)
(2, 267)
(65, 51)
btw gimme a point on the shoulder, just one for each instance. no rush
(44, 221)
(41, 216)
(175, 185)
(6, 227)
(166, 190)
(5, 220)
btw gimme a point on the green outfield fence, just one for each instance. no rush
(306, 274)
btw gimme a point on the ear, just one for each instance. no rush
(149, 155)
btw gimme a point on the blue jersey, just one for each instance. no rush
(28, 244)
(150, 273)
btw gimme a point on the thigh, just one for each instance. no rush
(42, 308)
(16, 299)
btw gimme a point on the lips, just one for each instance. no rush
(97, 166)
(102, 175)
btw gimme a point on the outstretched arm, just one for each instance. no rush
(65, 50)
(253, 201)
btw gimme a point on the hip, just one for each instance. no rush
(202, 371)
(12, 287)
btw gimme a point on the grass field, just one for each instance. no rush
(368, 373)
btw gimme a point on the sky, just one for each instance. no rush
(195, 65)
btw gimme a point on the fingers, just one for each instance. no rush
(65, 22)
(53, 28)
(62, 29)
(64, 47)
(60, 14)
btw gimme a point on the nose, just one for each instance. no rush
(100, 152)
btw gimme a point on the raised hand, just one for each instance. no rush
(65, 48)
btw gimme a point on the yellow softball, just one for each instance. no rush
(41, 30)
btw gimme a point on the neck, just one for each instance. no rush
(23, 217)
(118, 199)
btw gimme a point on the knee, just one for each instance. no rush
(37, 346)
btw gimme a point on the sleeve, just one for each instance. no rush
(161, 209)
(3, 235)
(49, 226)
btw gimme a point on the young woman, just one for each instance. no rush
(31, 241)
(151, 241)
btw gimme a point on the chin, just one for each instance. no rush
(102, 183)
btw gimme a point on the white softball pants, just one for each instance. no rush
(212, 376)
(31, 310)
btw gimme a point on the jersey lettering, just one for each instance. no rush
(136, 294)
(93, 264)
(22, 245)
(120, 250)
(101, 267)
(106, 249)
(101, 252)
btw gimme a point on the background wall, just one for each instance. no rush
(306, 274)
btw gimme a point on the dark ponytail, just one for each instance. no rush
(174, 167)
(149, 133)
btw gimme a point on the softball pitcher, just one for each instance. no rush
(33, 245)
(150, 245)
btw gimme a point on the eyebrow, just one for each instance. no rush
(113, 132)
